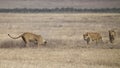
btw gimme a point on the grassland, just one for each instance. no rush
(66, 47)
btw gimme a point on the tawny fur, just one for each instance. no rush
(93, 36)
(112, 35)
(28, 37)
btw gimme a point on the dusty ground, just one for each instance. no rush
(66, 47)
(59, 58)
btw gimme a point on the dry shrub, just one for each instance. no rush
(60, 43)
(15, 44)
(11, 44)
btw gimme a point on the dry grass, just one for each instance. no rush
(66, 47)
(59, 58)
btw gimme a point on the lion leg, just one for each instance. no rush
(110, 40)
(88, 41)
(113, 38)
(27, 44)
(38, 44)
(25, 41)
(96, 41)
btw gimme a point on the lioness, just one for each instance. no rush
(28, 37)
(112, 35)
(94, 36)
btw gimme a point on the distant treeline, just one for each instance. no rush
(60, 10)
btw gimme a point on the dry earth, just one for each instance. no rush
(66, 47)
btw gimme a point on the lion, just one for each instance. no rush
(28, 37)
(93, 36)
(112, 35)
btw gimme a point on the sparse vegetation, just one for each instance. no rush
(61, 10)
(64, 33)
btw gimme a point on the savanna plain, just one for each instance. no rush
(65, 46)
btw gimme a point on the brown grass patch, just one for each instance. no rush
(64, 33)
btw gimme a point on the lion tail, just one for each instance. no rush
(14, 37)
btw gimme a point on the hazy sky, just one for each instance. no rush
(59, 3)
